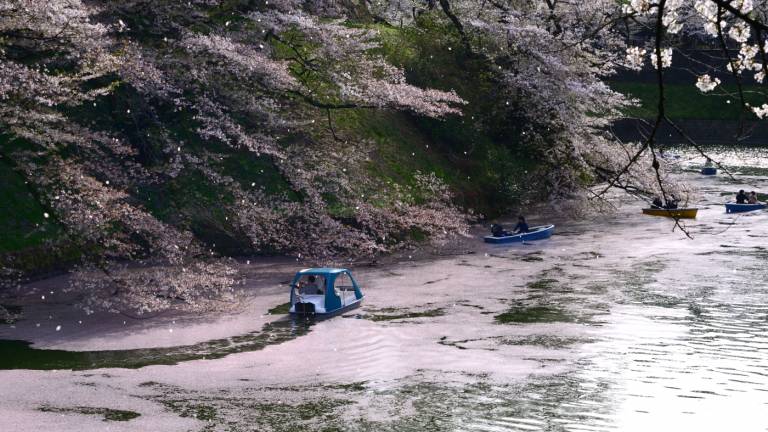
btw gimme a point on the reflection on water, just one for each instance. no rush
(681, 340)
(623, 325)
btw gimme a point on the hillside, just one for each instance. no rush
(480, 161)
(147, 146)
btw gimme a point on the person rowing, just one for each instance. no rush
(498, 231)
(671, 203)
(521, 228)
(741, 197)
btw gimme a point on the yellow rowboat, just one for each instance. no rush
(681, 213)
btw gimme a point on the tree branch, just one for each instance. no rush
(446, 7)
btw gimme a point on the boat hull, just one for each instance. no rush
(535, 233)
(682, 213)
(341, 310)
(741, 208)
(709, 170)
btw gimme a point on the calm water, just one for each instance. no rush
(616, 323)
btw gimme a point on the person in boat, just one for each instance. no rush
(752, 199)
(521, 227)
(498, 231)
(708, 163)
(671, 203)
(311, 287)
(657, 204)
(741, 197)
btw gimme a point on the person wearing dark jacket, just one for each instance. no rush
(671, 203)
(521, 227)
(741, 197)
(498, 231)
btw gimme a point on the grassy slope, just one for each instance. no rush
(685, 101)
(481, 163)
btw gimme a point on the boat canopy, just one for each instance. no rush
(329, 289)
(322, 271)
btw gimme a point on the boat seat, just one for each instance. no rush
(310, 290)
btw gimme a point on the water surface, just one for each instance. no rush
(616, 323)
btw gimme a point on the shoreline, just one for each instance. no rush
(264, 288)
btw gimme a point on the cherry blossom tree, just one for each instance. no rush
(105, 102)
(559, 54)
(735, 27)
(551, 59)
(219, 69)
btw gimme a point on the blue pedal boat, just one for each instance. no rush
(535, 233)
(741, 208)
(709, 170)
(324, 292)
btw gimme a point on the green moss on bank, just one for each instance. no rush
(685, 101)
(479, 154)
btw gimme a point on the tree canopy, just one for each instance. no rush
(109, 107)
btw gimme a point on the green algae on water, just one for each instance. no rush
(543, 284)
(532, 257)
(406, 314)
(21, 355)
(282, 309)
(268, 409)
(546, 341)
(536, 314)
(109, 414)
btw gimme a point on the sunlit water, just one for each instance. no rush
(616, 323)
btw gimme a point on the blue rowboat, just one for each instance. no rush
(324, 292)
(709, 170)
(535, 233)
(741, 208)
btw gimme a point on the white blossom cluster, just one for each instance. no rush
(251, 60)
(708, 11)
(195, 286)
(739, 32)
(639, 6)
(761, 111)
(706, 84)
(635, 58)
(725, 24)
(666, 58)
